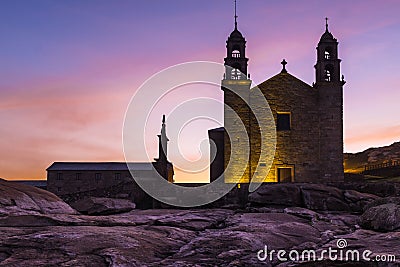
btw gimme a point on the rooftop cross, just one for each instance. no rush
(284, 66)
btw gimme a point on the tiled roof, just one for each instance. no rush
(100, 166)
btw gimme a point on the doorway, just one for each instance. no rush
(285, 174)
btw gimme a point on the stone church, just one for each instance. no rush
(308, 118)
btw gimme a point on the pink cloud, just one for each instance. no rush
(77, 114)
(372, 138)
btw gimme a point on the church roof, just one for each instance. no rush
(327, 37)
(236, 34)
(282, 80)
(100, 166)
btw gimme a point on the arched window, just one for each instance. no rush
(235, 74)
(328, 73)
(236, 53)
(328, 53)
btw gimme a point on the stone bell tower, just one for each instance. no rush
(329, 84)
(236, 87)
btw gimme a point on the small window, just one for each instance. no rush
(327, 55)
(58, 189)
(283, 122)
(97, 177)
(78, 176)
(59, 176)
(235, 53)
(117, 176)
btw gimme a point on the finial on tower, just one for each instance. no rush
(283, 66)
(235, 17)
(163, 119)
(326, 23)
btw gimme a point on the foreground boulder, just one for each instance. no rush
(20, 199)
(385, 217)
(102, 205)
(276, 195)
(381, 201)
(358, 201)
(317, 197)
(382, 189)
(301, 212)
(67, 246)
(322, 197)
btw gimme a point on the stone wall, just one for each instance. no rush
(70, 189)
(330, 103)
(298, 147)
(69, 183)
(237, 125)
(216, 138)
(312, 148)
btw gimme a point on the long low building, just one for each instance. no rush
(92, 178)
(73, 177)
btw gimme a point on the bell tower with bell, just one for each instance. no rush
(236, 87)
(329, 84)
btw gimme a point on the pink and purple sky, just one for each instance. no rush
(69, 68)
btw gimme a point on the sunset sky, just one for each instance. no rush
(68, 69)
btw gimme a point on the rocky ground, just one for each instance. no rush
(39, 229)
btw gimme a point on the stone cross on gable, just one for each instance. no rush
(284, 66)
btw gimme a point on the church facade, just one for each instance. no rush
(308, 118)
